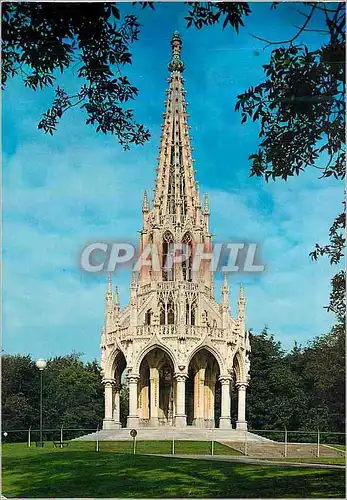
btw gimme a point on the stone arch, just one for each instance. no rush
(238, 367)
(111, 363)
(156, 388)
(167, 268)
(187, 237)
(187, 265)
(151, 347)
(203, 389)
(213, 351)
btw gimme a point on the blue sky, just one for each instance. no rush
(64, 191)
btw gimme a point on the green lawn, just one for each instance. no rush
(152, 447)
(78, 471)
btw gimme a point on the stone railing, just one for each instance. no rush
(160, 330)
(167, 286)
(175, 330)
(167, 331)
(144, 289)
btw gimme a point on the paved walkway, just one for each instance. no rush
(250, 461)
(273, 450)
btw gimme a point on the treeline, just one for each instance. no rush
(303, 389)
(72, 395)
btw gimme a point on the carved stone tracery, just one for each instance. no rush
(189, 342)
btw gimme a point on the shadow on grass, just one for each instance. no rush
(105, 474)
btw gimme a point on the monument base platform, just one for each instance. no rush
(188, 433)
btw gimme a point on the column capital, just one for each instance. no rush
(133, 379)
(180, 377)
(224, 380)
(242, 385)
(108, 382)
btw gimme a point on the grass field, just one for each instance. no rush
(78, 471)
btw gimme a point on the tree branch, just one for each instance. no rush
(308, 19)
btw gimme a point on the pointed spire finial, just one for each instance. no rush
(225, 286)
(109, 286)
(145, 205)
(241, 293)
(116, 296)
(176, 43)
(225, 279)
(134, 279)
(197, 187)
(206, 205)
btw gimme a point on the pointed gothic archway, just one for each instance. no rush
(156, 389)
(113, 386)
(203, 390)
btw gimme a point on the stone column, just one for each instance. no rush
(241, 406)
(209, 401)
(145, 403)
(225, 409)
(108, 420)
(180, 415)
(133, 419)
(154, 396)
(199, 396)
(116, 405)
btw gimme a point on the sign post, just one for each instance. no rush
(133, 434)
(97, 438)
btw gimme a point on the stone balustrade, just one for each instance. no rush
(167, 331)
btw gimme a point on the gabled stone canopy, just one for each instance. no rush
(173, 330)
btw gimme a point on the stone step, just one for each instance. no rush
(169, 433)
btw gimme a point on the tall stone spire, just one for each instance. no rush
(109, 288)
(145, 205)
(175, 192)
(241, 302)
(116, 304)
(225, 291)
(172, 315)
(109, 306)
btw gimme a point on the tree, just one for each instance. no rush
(324, 379)
(41, 39)
(72, 395)
(274, 398)
(301, 109)
(303, 389)
(19, 393)
(124, 404)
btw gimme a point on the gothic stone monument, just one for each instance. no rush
(177, 345)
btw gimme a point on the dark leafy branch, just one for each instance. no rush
(335, 252)
(300, 107)
(301, 110)
(41, 39)
(208, 13)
